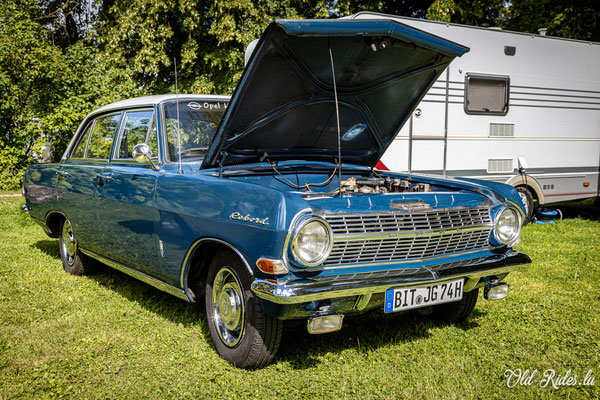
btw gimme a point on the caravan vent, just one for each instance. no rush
(502, 130)
(503, 165)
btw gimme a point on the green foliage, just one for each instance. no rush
(47, 90)
(208, 42)
(576, 20)
(442, 10)
(60, 59)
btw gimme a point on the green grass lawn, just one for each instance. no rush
(110, 336)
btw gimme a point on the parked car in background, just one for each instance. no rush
(267, 205)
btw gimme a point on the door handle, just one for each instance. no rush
(62, 173)
(104, 177)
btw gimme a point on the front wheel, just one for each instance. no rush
(241, 331)
(457, 311)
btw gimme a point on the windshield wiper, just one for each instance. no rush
(194, 150)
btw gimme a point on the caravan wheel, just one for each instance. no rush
(527, 200)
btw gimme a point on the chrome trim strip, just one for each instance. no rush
(356, 237)
(185, 267)
(314, 291)
(165, 287)
(416, 211)
(410, 261)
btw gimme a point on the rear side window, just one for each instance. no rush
(486, 94)
(137, 128)
(102, 136)
(79, 151)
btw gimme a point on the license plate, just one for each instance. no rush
(422, 296)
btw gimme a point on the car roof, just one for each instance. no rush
(154, 100)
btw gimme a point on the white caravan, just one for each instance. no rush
(518, 108)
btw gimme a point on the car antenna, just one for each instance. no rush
(337, 114)
(179, 170)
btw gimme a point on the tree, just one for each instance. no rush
(442, 10)
(579, 19)
(46, 90)
(208, 39)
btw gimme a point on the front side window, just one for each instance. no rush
(138, 127)
(486, 94)
(198, 122)
(102, 136)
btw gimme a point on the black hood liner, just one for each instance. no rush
(284, 104)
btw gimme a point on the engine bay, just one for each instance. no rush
(382, 185)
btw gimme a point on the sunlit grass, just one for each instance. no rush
(110, 336)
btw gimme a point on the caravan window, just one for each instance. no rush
(485, 94)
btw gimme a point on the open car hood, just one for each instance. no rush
(284, 104)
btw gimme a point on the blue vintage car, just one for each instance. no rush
(267, 205)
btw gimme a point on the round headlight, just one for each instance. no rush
(508, 225)
(312, 241)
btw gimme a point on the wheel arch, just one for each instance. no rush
(529, 182)
(197, 260)
(53, 220)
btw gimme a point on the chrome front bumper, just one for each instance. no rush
(473, 271)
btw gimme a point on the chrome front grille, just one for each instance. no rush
(404, 235)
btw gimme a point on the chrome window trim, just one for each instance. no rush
(112, 147)
(119, 136)
(87, 140)
(163, 127)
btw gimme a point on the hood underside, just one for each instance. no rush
(284, 105)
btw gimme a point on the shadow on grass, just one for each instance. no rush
(365, 333)
(584, 209)
(154, 300)
(298, 349)
(48, 247)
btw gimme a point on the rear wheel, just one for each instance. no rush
(527, 199)
(457, 311)
(74, 262)
(241, 331)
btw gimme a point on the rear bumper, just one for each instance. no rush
(475, 271)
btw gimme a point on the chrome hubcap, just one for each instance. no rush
(69, 243)
(228, 307)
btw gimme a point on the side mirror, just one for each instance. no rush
(142, 153)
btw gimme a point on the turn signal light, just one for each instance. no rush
(586, 184)
(269, 266)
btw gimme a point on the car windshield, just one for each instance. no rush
(198, 121)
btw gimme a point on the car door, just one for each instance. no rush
(80, 174)
(125, 197)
